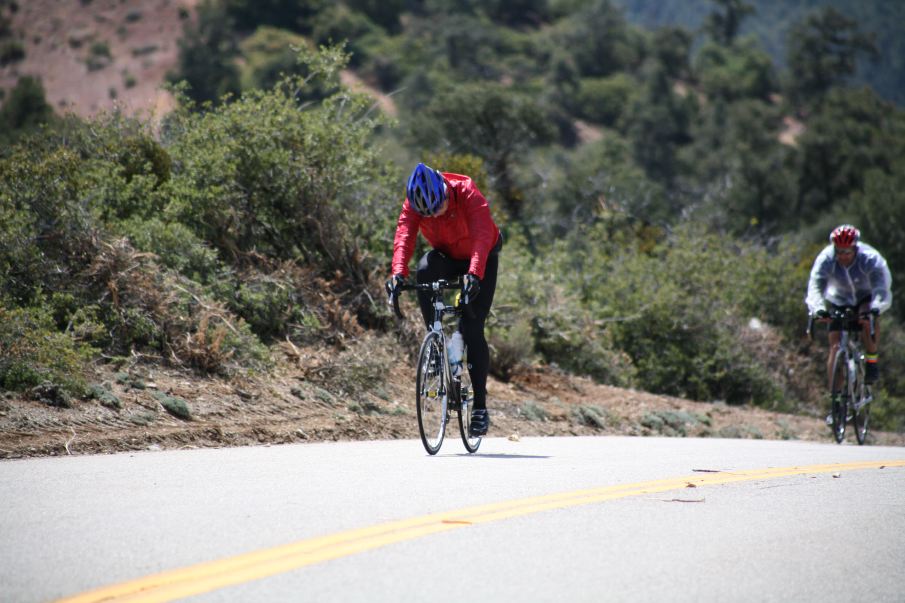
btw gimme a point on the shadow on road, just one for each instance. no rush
(504, 456)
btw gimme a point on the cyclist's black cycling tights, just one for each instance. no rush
(435, 265)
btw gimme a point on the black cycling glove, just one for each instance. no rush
(392, 286)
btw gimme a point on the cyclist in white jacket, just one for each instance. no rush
(850, 273)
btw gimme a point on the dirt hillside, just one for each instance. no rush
(93, 55)
(362, 392)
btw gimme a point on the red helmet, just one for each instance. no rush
(845, 236)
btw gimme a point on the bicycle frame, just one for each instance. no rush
(441, 309)
(851, 347)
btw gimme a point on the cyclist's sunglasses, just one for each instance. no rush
(845, 251)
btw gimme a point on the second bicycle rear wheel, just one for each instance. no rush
(431, 393)
(862, 418)
(467, 398)
(840, 395)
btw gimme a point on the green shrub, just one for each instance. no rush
(338, 23)
(142, 51)
(98, 56)
(269, 303)
(511, 346)
(268, 176)
(269, 56)
(604, 100)
(578, 344)
(150, 309)
(532, 412)
(174, 405)
(591, 415)
(357, 370)
(105, 397)
(677, 310)
(47, 234)
(292, 14)
(23, 111)
(141, 154)
(742, 70)
(684, 341)
(51, 394)
(207, 54)
(33, 352)
(11, 51)
(562, 332)
(175, 246)
(386, 62)
(669, 422)
(467, 164)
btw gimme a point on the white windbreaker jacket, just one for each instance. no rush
(867, 277)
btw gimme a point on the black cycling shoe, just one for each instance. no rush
(480, 422)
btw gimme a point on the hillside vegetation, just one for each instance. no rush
(773, 23)
(662, 196)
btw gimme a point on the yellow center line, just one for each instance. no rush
(206, 577)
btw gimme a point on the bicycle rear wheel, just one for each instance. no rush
(431, 393)
(840, 394)
(466, 397)
(861, 408)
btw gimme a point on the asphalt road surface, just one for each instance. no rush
(541, 519)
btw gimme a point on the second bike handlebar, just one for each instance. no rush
(844, 314)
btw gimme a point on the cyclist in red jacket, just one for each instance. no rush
(454, 217)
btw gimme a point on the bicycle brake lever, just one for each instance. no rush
(396, 309)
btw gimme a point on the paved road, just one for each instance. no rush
(543, 519)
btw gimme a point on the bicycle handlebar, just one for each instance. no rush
(436, 286)
(847, 314)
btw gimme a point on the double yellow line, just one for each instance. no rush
(206, 577)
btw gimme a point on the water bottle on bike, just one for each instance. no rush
(454, 351)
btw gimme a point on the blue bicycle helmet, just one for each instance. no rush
(426, 190)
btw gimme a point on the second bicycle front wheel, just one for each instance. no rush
(466, 396)
(431, 393)
(840, 394)
(862, 406)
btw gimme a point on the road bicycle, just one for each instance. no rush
(441, 387)
(850, 395)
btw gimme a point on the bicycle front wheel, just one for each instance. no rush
(840, 394)
(862, 406)
(466, 397)
(431, 393)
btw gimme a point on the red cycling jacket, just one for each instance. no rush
(465, 232)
